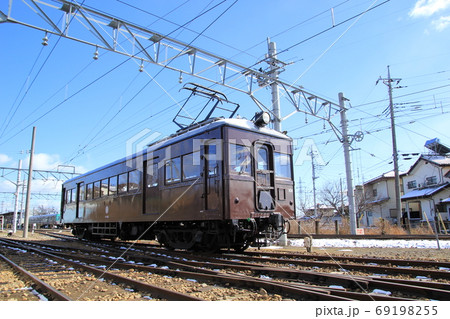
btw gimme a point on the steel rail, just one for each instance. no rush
(401, 262)
(432, 290)
(41, 285)
(159, 291)
(364, 268)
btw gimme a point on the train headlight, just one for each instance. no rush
(262, 119)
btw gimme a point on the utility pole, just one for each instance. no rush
(348, 164)
(314, 177)
(16, 201)
(398, 203)
(274, 72)
(30, 178)
(342, 199)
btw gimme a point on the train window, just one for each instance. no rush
(68, 196)
(282, 165)
(152, 175)
(173, 170)
(113, 185)
(263, 158)
(104, 188)
(134, 180)
(97, 189)
(123, 183)
(240, 159)
(191, 165)
(89, 191)
(213, 164)
(81, 194)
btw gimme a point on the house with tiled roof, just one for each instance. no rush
(426, 188)
(379, 199)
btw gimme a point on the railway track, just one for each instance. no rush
(52, 273)
(271, 273)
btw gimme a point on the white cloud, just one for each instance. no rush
(426, 8)
(4, 159)
(442, 23)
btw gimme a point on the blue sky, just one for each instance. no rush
(91, 127)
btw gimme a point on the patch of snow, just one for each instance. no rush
(374, 243)
(381, 292)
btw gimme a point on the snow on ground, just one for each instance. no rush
(377, 243)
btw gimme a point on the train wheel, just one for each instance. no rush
(241, 248)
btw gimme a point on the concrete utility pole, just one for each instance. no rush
(30, 178)
(398, 203)
(348, 165)
(314, 177)
(274, 72)
(16, 201)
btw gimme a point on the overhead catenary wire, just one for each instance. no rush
(159, 72)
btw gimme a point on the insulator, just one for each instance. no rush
(45, 40)
(96, 54)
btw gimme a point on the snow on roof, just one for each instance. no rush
(390, 174)
(379, 200)
(425, 192)
(447, 200)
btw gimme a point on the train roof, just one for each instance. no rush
(196, 129)
(211, 124)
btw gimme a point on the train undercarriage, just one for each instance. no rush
(237, 234)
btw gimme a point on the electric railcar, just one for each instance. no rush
(46, 221)
(222, 183)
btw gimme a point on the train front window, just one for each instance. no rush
(240, 159)
(191, 165)
(173, 170)
(263, 159)
(282, 165)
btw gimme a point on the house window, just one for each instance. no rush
(432, 180)
(374, 192)
(412, 184)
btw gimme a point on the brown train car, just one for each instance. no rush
(222, 183)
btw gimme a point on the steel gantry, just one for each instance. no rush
(106, 32)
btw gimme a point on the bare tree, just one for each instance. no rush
(332, 196)
(44, 210)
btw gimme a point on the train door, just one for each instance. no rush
(151, 198)
(264, 178)
(212, 175)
